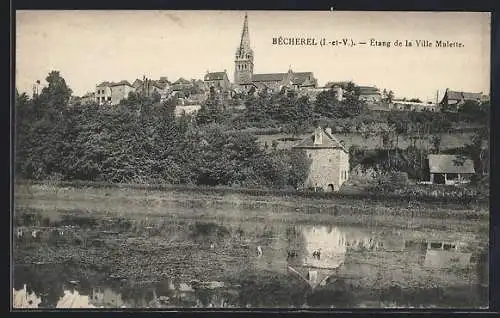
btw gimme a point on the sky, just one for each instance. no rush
(89, 47)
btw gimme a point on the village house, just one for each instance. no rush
(453, 100)
(402, 105)
(88, 98)
(217, 80)
(450, 169)
(103, 93)
(149, 87)
(181, 84)
(186, 109)
(370, 95)
(110, 93)
(329, 167)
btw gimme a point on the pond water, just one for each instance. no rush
(110, 262)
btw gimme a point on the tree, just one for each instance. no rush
(390, 96)
(57, 94)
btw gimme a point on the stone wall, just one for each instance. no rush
(328, 167)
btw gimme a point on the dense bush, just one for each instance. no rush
(141, 141)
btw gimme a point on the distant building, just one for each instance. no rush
(370, 95)
(245, 79)
(450, 169)
(181, 84)
(329, 167)
(413, 106)
(313, 93)
(217, 80)
(110, 93)
(186, 109)
(103, 93)
(88, 98)
(149, 87)
(453, 100)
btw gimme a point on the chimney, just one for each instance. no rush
(318, 136)
(328, 130)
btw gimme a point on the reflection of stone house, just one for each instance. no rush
(329, 167)
(333, 245)
(450, 169)
(23, 299)
(106, 297)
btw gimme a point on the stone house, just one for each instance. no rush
(149, 87)
(450, 169)
(110, 93)
(453, 100)
(329, 167)
(120, 91)
(103, 93)
(217, 80)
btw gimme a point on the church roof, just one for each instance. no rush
(272, 77)
(327, 141)
(215, 76)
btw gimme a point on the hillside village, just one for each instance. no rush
(345, 129)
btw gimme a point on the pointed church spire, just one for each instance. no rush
(245, 37)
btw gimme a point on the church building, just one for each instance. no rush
(245, 79)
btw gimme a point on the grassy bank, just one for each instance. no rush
(215, 203)
(388, 199)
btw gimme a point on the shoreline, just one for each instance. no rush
(388, 199)
(54, 201)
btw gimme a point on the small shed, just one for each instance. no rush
(450, 169)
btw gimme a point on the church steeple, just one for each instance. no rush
(245, 37)
(243, 64)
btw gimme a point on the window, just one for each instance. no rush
(109, 98)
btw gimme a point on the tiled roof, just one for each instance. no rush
(463, 95)
(215, 76)
(450, 164)
(368, 90)
(103, 84)
(120, 83)
(182, 81)
(327, 141)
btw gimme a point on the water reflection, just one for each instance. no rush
(300, 266)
